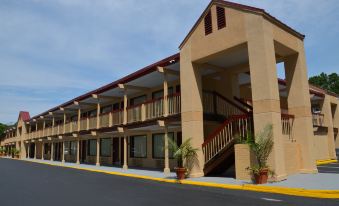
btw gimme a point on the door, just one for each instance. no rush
(122, 151)
(83, 147)
(115, 159)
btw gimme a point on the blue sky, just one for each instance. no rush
(54, 50)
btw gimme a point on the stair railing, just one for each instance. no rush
(237, 126)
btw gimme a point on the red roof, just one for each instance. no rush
(24, 116)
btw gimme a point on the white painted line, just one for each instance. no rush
(271, 200)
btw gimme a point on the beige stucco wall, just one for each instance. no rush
(320, 145)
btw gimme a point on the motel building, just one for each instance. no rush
(221, 85)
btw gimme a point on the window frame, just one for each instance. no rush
(89, 147)
(173, 138)
(110, 147)
(131, 146)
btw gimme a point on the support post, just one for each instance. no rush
(52, 151)
(98, 115)
(35, 147)
(79, 118)
(166, 169)
(98, 152)
(125, 166)
(42, 150)
(300, 106)
(125, 107)
(265, 91)
(78, 151)
(165, 95)
(63, 152)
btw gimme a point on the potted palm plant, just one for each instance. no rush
(262, 148)
(185, 154)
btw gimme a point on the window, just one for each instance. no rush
(138, 100)
(160, 93)
(106, 109)
(73, 149)
(105, 147)
(221, 18)
(116, 106)
(208, 23)
(158, 145)
(138, 146)
(67, 148)
(92, 147)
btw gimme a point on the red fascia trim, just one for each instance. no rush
(144, 71)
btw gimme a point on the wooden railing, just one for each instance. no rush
(134, 113)
(154, 108)
(117, 117)
(174, 104)
(237, 126)
(149, 110)
(317, 119)
(287, 121)
(83, 123)
(92, 122)
(214, 103)
(105, 119)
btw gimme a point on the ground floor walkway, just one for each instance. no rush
(320, 181)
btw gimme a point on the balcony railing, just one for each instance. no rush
(318, 119)
(92, 122)
(174, 104)
(149, 110)
(134, 113)
(287, 121)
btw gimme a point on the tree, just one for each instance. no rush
(328, 82)
(2, 129)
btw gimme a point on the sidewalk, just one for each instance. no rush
(319, 185)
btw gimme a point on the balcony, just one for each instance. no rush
(149, 110)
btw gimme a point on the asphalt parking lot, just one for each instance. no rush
(27, 183)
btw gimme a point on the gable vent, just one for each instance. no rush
(208, 23)
(221, 17)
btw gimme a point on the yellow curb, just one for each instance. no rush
(324, 162)
(330, 194)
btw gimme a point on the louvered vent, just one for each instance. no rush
(221, 17)
(208, 23)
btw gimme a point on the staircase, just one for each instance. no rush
(218, 147)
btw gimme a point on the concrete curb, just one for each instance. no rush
(324, 162)
(330, 194)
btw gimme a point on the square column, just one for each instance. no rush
(299, 105)
(192, 120)
(78, 152)
(52, 151)
(63, 152)
(125, 166)
(327, 111)
(28, 148)
(98, 152)
(166, 169)
(265, 90)
(42, 150)
(35, 148)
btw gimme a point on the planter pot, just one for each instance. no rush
(262, 177)
(180, 173)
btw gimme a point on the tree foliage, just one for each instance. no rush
(2, 129)
(328, 82)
